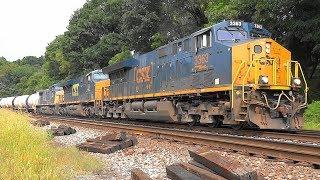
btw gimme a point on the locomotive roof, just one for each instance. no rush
(127, 64)
(246, 26)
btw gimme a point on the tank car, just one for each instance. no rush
(32, 102)
(20, 102)
(7, 102)
(1, 104)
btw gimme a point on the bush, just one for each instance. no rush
(312, 116)
(26, 152)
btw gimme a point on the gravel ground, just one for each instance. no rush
(79, 137)
(153, 154)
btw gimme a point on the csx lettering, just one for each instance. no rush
(75, 90)
(143, 74)
(201, 62)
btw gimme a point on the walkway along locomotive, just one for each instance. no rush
(230, 73)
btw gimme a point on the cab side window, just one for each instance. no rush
(203, 40)
(174, 48)
(186, 46)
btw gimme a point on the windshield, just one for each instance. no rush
(100, 76)
(231, 35)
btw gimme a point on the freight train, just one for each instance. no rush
(232, 73)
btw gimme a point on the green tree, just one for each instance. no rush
(56, 64)
(140, 21)
(124, 55)
(87, 44)
(292, 23)
(158, 40)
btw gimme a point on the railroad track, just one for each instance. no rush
(288, 151)
(304, 136)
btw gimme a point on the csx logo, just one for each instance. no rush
(201, 62)
(75, 90)
(143, 74)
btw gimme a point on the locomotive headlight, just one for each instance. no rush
(297, 81)
(268, 48)
(264, 79)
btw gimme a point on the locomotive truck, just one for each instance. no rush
(232, 73)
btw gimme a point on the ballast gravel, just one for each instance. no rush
(79, 137)
(152, 154)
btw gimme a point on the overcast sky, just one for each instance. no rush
(27, 26)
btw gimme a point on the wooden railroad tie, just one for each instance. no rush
(40, 123)
(209, 165)
(109, 143)
(137, 174)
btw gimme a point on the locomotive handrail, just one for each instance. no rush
(296, 75)
(233, 82)
(245, 77)
(297, 66)
(274, 71)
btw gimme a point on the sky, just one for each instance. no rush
(28, 26)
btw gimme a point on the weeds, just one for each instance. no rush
(312, 116)
(27, 152)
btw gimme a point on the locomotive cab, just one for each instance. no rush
(47, 99)
(101, 91)
(90, 82)
(265, 80)
(265, 83)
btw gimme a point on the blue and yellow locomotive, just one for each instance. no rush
(231, 73)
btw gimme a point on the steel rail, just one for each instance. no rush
(297, 152)
(305, 136)
(301, 136)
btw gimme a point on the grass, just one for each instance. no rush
(312, 116)
(28, 153)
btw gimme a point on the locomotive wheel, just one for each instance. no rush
(195, 120)
(297, 122)
(239, 126)
(216, 121)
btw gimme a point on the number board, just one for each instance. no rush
(258, 26)
(235, 23)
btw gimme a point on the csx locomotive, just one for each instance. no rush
(231, 73)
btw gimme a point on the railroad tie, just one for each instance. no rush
(108, 144)
(138, 174)
(222, 166)
(177, 172)
(201, 172)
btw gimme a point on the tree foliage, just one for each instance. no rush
(124, 55)
(103, 31)
(15, 77)
(292, 23)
